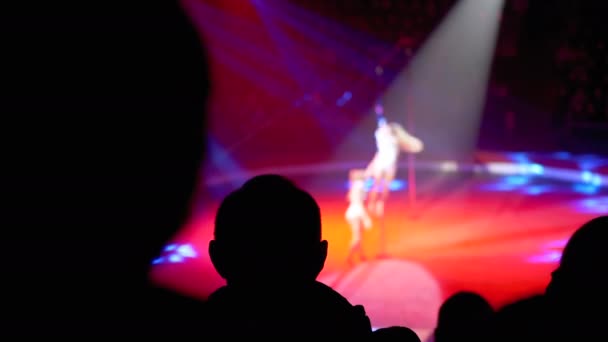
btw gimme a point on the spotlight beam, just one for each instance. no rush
(443, 89)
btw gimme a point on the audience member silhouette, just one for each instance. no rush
(522, 320)
(465, 316)
(575, 302)
(104, 106)
(268, 247)
(577, 296)
(395, 334)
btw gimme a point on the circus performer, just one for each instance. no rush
(391, 140)
(356, 214)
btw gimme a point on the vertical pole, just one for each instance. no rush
(382, 252)
(411, 160)
(411, 179)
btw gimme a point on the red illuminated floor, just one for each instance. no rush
(467, 231)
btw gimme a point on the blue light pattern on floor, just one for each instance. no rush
(176, 253)
(396, 185)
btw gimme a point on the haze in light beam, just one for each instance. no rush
(440, 96)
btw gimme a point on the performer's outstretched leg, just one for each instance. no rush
(376, 195)
(388, 178)
(373, 195)
(381, 197)
(378, 208)
(356, 247)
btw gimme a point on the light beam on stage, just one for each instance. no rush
(441, 94)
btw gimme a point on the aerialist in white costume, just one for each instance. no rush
(356, 215)
(391, 139)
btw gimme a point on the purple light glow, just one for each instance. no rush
(546, 258)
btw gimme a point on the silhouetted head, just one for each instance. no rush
(105, 105)
(395, 334)
(268, 230)
(108, 106)
(580, 282)
(463, 316)
(522, 320)
(585, 253)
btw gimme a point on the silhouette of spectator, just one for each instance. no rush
(523, 320)
(268, 247)
(104, 107)
(574, 305)
(395, 334)
(465, 316)
(577, 295)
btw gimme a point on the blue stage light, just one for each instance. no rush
(594, 205)
(174, 258)
(187, 251)
(535, 190)
(158, 261)
(537, 169)
(516, 180)
(562, 155)
(395, 185)
(519, 157)
(170, 247)
(586, 176)
(586, 189)
(176, 253)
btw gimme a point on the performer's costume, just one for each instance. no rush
(387, 153)
(391, 139)
(357, 217)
